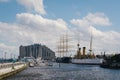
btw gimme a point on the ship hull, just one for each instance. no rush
(64, 60)
(87, 61)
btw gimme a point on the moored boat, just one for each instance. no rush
(111, 62)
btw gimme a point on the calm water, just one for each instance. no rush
(67, 72)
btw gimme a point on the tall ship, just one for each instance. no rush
(63, 50)
(82, 58)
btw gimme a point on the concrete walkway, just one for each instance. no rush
(11, 69)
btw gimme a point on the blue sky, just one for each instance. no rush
(70, 9)
(66, 10)
(22, 20)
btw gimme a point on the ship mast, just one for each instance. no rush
(90, 43)
(63, 45)
(91, 50)
(66, 44)
(59, 47)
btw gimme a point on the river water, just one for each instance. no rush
(67, 72)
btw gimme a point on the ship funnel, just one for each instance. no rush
(84, 51)
(79, 54)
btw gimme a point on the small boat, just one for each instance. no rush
(31, 64)
(111, 62)
(49, 63)
(40, 62)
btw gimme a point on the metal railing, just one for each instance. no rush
(8, 65)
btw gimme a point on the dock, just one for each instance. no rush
(9, 69)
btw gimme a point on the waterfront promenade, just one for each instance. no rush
(67, 72)
(9, 69)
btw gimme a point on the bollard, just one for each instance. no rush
(13, 66)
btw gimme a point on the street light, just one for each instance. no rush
(5, 56)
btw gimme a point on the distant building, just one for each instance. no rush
(36, 50)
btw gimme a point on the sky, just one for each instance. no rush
(26, 22)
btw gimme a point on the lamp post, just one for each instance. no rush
(5, 56)
(13, 62)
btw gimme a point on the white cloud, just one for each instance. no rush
(4, 48)
(36, 5)
(91, 20)
(41, 29)
(30, 29)
(105, 40)
(37, 21)
(96, 19)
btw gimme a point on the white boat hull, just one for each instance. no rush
(87, 61)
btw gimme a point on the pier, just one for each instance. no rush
(8, 69)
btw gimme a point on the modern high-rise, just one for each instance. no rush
(36, 50)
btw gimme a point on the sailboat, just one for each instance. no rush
(63, 50)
